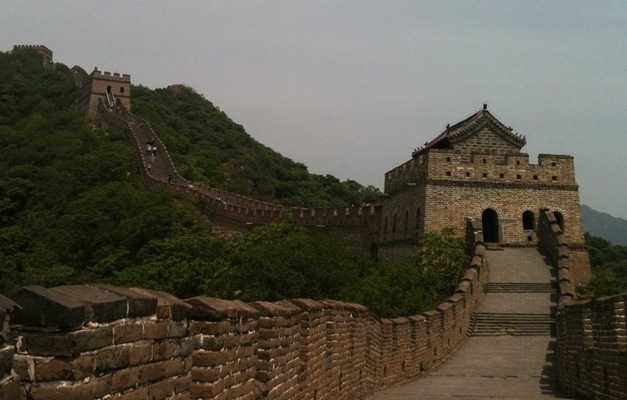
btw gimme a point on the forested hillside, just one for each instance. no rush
(70, 207)
(207, 146)
(609, 267)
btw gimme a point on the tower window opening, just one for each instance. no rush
(560, 219)
(406, 221)
(528, 220)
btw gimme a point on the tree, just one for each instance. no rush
(609, 267)
(392, 289)
(282, 261)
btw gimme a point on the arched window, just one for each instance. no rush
(121, 90)
(406, 221)
(560, 219)
(418, 218)
(108, 88)
(528, 220)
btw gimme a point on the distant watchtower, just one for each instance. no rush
(104, 86)
(45, 52)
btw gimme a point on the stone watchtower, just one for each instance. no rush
(103, 86)
(45, 52)
(475, 170)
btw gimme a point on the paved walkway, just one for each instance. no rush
(497, 367)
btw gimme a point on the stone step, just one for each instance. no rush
(496, 324)
(520, 287)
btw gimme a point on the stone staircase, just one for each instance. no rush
(497, 324)
(520, 287)
(512, 320)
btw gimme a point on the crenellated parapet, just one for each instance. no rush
(511, 170)
(108, 76)
(45, 52)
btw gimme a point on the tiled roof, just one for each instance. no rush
(470, 125)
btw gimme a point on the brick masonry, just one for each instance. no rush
(101, 341)
(591, 334)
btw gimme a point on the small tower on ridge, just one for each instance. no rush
(104, 86)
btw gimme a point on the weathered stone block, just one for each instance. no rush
(44, 308)
(212, 309)
(128, 332)
(139, 305)
(168, 306)
(100, 305)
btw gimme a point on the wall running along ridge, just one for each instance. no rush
(94, 341)
(591, 334)
(240, 214)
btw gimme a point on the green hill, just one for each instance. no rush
(71, 207)
(208, 147)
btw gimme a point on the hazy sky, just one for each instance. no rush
(350, 88)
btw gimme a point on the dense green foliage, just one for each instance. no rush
(609, 267)
(70, 210)
(283, 261)
(393, 289)
(207, 146)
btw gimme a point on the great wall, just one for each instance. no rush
(104, 342)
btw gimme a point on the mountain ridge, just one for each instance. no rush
(604, 225)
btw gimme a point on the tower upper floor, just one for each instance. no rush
(480, 149)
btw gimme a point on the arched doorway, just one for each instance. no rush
(528, 219)
(490, 225)
(560, 219)
(374, 251)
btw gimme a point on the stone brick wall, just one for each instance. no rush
(100, 341)
(487, 141)
(9, 380)
(591, 334)
(572, 260)
(592, 348)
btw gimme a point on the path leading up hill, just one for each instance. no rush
(511, 352)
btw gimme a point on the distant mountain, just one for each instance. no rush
(604, 225)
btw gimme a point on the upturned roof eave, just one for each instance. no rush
(469, 126)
